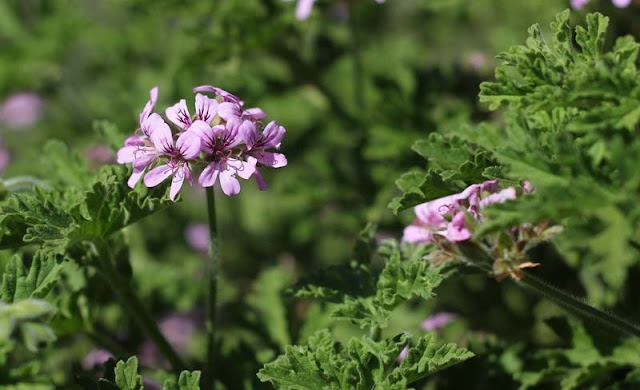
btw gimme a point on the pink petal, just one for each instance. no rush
(243, 169)
(226, 96)
(135, 140)
(188, 144)
(262, 185)
(254, 114)
(417, 235)
(456, 230)
(229, 183)
(273, 134)
(135, 177)
(162, 137)
(273, 160)
(303, 10)
(206, 108)
(151, 104)
(229, 110)
(179, 114)
(431, 213)
(249, 133)
(209, 175)
(157, 175)
(621, 3)
(500, 197)
(153, 122)
(126, 154)
(143, 157)
(205, 133)
(176, 183)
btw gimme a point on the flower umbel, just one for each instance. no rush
(222, 136)
(450, 222)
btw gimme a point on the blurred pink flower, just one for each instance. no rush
(403, 354)
(437, 321)
(95, 357)
(579, 4)
(100, 154)
(197, 236)
(21, 110)
(303, 8)
(178, 329)
(477, 60)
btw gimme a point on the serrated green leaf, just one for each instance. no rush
(18, 283)
(427, 358)
(186, 381)
(127, 377)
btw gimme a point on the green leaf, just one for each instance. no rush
(267, 299)
(19, 283)
(58, 220)
(186, 381)
(25, 321)
(362, 365)
(427, 358)
(127, 377)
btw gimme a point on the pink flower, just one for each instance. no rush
(257, 141)
(197, 236)
(185, 148)
(218, 142)
(403, 354)
(178, 329)
(95, 357)
(621, 3)
(457, 229)
(448, 216)
(21, 110)
(206, 110)
(140, 149)
(98, 155)
(303, 8)
(477, 60)
(228, 150)
(437, 321)
(578, 4)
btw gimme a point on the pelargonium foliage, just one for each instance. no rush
(229, 141)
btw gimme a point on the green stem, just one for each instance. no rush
(569, 302)
(137, 310)
(577, 307)
(213, 270)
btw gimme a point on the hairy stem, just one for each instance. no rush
(137, 310)
(213, 269)
(572, 304)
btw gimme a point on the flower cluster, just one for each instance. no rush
(452, 220)
(448, 217)
(224, 137)
(303, 8)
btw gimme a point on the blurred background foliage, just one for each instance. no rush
(355, 90)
